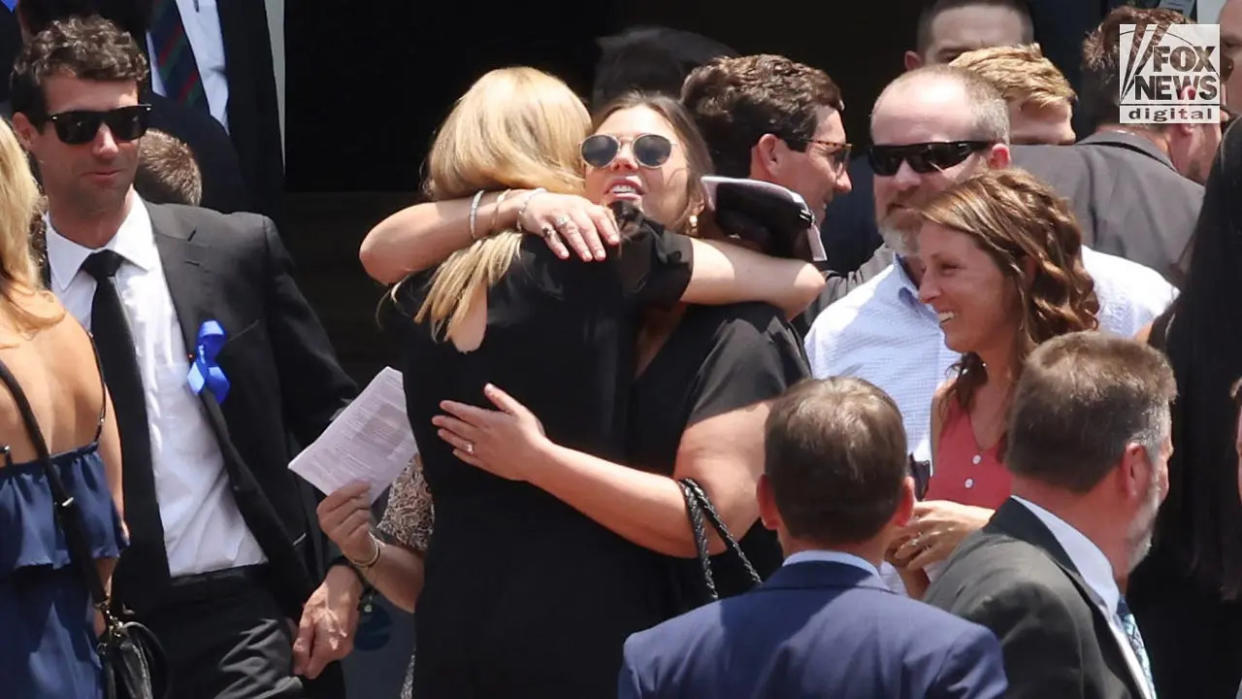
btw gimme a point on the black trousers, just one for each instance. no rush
(227, 638)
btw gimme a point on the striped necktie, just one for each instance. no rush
(1130, 626)
(174, 58)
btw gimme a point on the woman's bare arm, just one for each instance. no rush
(422, 236)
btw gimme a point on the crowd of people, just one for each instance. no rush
(664, 448)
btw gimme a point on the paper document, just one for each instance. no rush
(369, 441)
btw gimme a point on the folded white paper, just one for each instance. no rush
(369, 441)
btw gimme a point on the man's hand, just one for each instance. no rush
(329, 621)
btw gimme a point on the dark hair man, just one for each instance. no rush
(167, 172)
(835, 488)
(769, 118)
(1042, 573)
(1136, 188)
(221, 170)
(220, 546)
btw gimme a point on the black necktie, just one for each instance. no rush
(144, 565)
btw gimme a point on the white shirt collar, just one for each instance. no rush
(134, 241)
(832, 557)
(1090, 561)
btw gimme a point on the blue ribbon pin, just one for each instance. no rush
(204, 372)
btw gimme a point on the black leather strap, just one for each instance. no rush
(699, 506)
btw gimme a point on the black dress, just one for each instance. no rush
(717, 359)
(525, 596)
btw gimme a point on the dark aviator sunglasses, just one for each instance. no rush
(922, 157)
(650, 150)
(81, 125)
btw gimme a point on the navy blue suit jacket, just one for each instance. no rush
(814, 629)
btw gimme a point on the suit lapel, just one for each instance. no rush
(191, 283)
(1015, 520)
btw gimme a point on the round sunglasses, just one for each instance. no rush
(650, 150)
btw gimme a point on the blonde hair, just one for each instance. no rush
(19, 206)
(1020, 73)
(516, 128)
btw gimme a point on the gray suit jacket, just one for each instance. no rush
(1128, 198)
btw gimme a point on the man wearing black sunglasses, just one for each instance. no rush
(933, 127)
(220, 545)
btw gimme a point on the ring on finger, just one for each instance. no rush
(548, 231)
(470, 448)
(560, 220)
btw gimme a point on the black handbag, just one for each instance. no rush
(698, 508)
(134, 664)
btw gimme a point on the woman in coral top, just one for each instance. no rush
(1004, 273)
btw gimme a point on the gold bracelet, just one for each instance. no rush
(496, 210)
(379, 549)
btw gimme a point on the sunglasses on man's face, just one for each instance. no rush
(650, 150)
(80, 125)
(838, 152)
(922, 157)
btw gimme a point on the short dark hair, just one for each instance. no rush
(933, 8)
(1083, 397)
(651, 60)
(735, 101)
(167, 171)
(89, 48)
(835, 454)
(1099, 97)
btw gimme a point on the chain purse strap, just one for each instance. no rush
(698, 508)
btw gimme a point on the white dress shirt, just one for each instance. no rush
(201, 21)
(1097, 573)
(882, 333)
(825, 556)
(203, 529)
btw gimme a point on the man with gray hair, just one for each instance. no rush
(1042, 573)
(932, 127)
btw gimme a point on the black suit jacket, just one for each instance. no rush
(284, 377)
(1014, 578)
(1127, 196)
(254, 119)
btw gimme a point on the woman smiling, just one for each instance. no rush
(1004, 272)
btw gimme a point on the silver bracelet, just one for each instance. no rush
(525, 203)
(474, 212)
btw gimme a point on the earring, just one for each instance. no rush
(692, 226)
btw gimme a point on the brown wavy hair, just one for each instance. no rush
(1013, 217)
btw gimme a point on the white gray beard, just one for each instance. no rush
(901, 242)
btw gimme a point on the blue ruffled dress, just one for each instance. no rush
(47, 636)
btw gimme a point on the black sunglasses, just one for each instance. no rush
(650, 150)
(923, 157)
(80, 125)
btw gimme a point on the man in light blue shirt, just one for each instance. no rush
(950, 123)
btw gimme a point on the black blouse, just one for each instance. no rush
(525, 596)
(718, 359)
